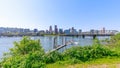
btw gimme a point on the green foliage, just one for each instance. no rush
(73, 61)
(87, 53)
(53, 57)
(96, 42)
(115, 38)
(27, 53)
(114, 42)
(25, 46)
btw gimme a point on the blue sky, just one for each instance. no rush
(80, 14)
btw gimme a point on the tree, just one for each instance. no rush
(27, 53)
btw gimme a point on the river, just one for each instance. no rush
(47, 42)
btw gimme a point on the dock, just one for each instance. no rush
(61, 46)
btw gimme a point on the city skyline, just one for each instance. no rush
(54, 31)
(80, 14)
(51, 29)
(57, 28)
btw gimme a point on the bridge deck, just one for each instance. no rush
(89, 34)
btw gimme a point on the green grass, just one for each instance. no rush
(98, 63)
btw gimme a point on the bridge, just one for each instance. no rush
(83, 34)
(94, 35)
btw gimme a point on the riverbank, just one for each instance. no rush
(98, 63)
(28, 53)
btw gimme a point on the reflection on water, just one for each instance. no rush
(47, 42)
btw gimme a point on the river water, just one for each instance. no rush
(47, 42)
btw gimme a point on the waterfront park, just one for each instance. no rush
(29, 53)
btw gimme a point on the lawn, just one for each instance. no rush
(98, 63)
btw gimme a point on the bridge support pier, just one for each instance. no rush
(94, 36)
(83, 36)
(55, 43)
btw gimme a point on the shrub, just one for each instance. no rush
(25, 46)
(53, 57)
(87, 53)
(27, 53)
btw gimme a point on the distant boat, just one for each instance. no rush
(76, 43)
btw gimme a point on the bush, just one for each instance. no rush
(25, 46)
(87, 53)
(53, 57)
(27, 53)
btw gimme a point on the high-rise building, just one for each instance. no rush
(103, 30)
(47, 32)
(80, 31)
(67, 31)
(61, 31)
(35, 30)
(72, 30)
(56, 29)
(41, 32)
(50, 29)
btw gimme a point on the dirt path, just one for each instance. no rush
(96, 66)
